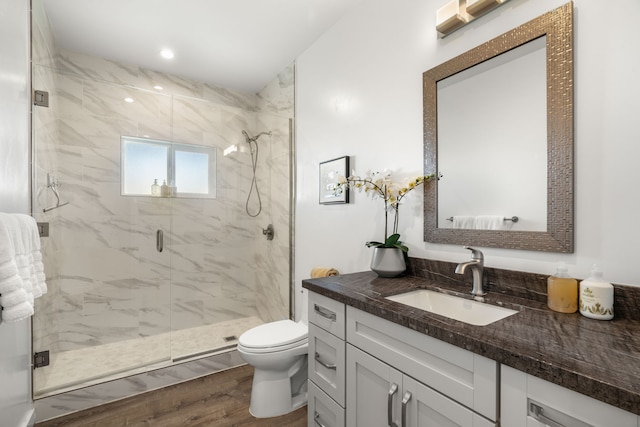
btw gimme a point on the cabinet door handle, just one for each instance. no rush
(316, 418)
(405, 400)
(538, 413)
(323, 363)
(159, 240)
(393, 390)
(324, 312)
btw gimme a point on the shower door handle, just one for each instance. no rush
(159, 241)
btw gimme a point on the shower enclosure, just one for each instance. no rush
(138, 282)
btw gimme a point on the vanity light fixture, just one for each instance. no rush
(451, 16)
(167, 53)
(478, 7)
(458, 13)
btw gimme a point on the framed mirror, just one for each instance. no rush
(502, 146)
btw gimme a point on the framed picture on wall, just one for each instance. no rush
(329, 172)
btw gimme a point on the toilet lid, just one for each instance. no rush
(273, 334)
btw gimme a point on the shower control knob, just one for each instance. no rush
(268, 232)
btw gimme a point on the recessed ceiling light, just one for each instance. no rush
(129, 100)
(167, 53)
(158, 87)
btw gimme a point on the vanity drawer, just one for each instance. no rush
(463, 376)
(327, 362)
(322, 410)
(327, 314)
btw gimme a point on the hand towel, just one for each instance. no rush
(464, 222)
(20, 273)
(318, 272)
(13, 297)
(490, 222)
(35, 256)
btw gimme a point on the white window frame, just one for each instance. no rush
(172, 148)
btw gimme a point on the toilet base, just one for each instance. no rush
(273, 396)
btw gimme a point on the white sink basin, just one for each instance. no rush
(464, 310)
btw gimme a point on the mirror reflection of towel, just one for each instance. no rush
(464, 222)
(481, 222)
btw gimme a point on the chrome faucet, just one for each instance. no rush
(477, 266)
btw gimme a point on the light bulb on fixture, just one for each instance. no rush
(230, 149)
(167, 53)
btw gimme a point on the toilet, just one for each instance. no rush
(278, 353)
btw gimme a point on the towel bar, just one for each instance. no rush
(513, 218)
(52, 183)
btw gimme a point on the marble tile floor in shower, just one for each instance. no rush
(73, 369)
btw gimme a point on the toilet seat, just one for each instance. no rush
(274, 336)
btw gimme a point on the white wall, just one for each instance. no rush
(374, 59)
(15, 338)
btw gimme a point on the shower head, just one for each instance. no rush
(250, 139)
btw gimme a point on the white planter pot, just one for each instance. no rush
(388, 262)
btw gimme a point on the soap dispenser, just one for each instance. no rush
(164, 189)
(596, 296)
(155, 188)
(562, 291)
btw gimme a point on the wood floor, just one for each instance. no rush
(217, 400)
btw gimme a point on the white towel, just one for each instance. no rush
(21, 269)
(490, 222)
(464, 222)
(480, 222)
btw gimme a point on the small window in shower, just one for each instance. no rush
(167, 169)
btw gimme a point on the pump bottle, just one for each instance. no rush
(596, 296)
(562, 291)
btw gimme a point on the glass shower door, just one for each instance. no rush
(107, 312)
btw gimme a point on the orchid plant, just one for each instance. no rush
(381, 185)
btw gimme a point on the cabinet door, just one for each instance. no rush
(421, 406)
(373, 391)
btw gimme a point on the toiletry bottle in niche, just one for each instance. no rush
(562, 291)
(164, 189)
(155, 188)
(596, 296)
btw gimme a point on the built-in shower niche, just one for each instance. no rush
(155, 168)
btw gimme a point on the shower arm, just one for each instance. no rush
(255, 138)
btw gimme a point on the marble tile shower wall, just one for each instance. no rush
(273, 278)
(111, 284)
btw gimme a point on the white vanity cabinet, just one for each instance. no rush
(533, 402)
(446, 382)
(379, 395)
(326, 387)
(365, 371)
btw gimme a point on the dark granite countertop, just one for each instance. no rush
(600, 359)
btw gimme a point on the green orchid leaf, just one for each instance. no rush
(392, 241)
(403, 247)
